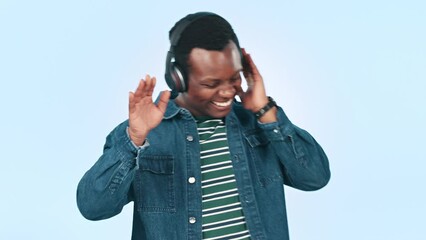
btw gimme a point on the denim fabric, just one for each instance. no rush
(155, 177)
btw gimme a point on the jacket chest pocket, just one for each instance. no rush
(154, 184)
(264, 160)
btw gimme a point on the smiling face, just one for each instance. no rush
(213, 80)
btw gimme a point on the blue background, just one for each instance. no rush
(350, 72)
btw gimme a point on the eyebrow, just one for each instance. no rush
(208, 79)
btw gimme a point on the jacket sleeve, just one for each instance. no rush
(106, 187)
(305, 164)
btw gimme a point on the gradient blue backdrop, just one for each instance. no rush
(350, 72)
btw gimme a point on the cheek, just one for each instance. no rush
(201, 95)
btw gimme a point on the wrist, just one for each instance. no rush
(265, 110)
(260, 104)
(137, 140)
(269, 117)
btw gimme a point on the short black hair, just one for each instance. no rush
(210, 32)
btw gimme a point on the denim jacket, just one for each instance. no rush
(167, 206)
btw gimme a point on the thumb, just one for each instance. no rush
(164, 100)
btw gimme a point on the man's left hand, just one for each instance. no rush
(255, 98)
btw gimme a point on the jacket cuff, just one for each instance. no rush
(276, 131)
(144, 145)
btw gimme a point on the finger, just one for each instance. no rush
(240, 92)
(244, 52)
(246, 73)
(253, 67)
(139, 90)
(148, 84)
(131, 102)
(249, 79)
(154, 82)
(246, 62)
(150, 88)
(164, 100)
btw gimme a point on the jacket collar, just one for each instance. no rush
(171, 110)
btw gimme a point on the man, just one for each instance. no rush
(199, 164)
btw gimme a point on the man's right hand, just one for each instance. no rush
(144, 115)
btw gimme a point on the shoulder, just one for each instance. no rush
(119, 130)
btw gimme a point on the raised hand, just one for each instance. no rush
(144, 114)
(254, 98)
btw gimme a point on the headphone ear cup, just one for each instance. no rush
(174, 75)
(178, 79)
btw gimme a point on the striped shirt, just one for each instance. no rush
(222, 214)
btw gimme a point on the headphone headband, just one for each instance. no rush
(176, 34)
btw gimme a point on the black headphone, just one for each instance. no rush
(174, 75)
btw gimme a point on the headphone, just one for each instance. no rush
(174, 75)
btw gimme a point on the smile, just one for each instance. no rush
(223, 104)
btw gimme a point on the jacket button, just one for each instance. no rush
(189, 138)
(276, 130)
(192, 220)
(191, 180)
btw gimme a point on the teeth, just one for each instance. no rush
(223, 104)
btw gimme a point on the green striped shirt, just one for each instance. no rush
(222, 215)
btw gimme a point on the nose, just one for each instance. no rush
(228, 91)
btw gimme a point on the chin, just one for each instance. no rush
(219, 114)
